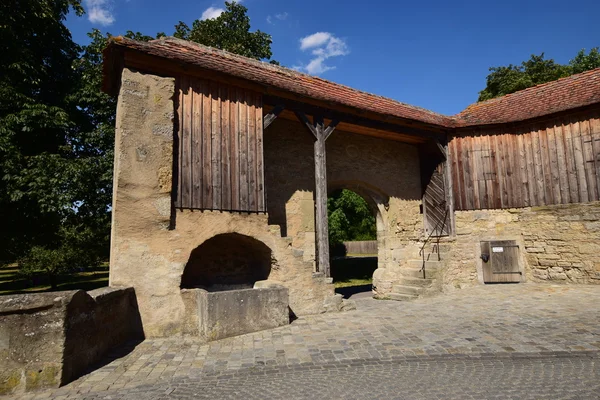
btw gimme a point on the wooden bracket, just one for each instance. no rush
(272, 116)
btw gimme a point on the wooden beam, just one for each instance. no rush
(317, 128)
(304, 119)
(360, 120)
(330, 128)
(272, 116)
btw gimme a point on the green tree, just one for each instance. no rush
(350, 218)
(585, 62)
(230, 31)
(56, 142)
(37, 74)
(535, 71)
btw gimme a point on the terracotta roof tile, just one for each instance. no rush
(564, 94)
(561, 95)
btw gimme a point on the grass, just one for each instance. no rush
(353, 270)
(12, 283)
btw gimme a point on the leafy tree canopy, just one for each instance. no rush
(535, 71)
(230, 31)
(350, 218)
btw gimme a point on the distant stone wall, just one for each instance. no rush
(557, 243)
(50, 339)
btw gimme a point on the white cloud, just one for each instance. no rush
(211, 12)
(282, 17)
(314, 40)
(323, 45)
(100, 12)
(269, 20)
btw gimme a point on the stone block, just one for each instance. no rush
(236, 312)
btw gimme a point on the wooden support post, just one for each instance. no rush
(317, 128)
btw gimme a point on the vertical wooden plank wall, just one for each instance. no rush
(220, 147)
(551, 162)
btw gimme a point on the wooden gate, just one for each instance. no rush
(435, 208)
(500, 261)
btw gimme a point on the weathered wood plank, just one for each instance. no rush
(196, 123)
(234, 132)
(589, 159)
(563, 181)
(570, 158)
(579, 159)
(528, 147)
(216, 146)
(181, 120)
(454, 170)
(243, 154)
(545, 156)
(475, 167)
(522, 169)
(594, 123)
(468, 172)
(460, 154)
(553, 173)
(252, 195)
(537, 163)
(225, 148)
(260, 170)
(186, 156)
(207, 195)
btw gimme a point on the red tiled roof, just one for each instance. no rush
(279, 77)
(561, 95)
(564, 94)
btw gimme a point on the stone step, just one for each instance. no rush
(428, 264)
(417, 273)
(401, 297)
(405, 289)
(410, 281)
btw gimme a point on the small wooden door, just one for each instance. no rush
(500, 261)
(435, 208)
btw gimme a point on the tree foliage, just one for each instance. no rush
(535, 71)
(56, 142)
(350, 218)
(230, 31)
(57, 131)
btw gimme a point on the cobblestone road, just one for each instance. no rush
(508, 341)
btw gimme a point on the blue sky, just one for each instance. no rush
(433, 54)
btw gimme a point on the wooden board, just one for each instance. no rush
(220, 165)
(500, 261)
(554, 161)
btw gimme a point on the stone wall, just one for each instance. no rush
(49, 339)
(557, 243)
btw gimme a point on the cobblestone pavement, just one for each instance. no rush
(540, 339)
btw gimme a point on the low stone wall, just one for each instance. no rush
(557, 243)
(218, 315)
(50, 339)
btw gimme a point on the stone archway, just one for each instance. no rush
(378, 203)
(226, 262)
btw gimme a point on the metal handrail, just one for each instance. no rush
(437, 245)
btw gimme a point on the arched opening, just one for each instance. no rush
(227, 262)
(353, 241)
